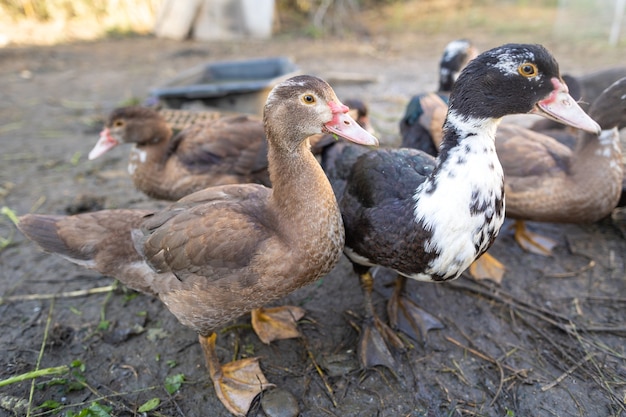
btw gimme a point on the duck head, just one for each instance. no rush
(313, 100)
(133, 124)
(518, 78)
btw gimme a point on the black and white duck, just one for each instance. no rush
(428, 219)
(420, 126)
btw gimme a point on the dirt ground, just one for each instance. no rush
(550, 340)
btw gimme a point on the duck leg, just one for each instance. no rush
(406, 316)
(275, 323)
(236, 383)
(533, 242)
(376, 335)
(487, 267)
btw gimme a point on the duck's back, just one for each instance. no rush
(421, 126)
(381, 188)
(229, 150)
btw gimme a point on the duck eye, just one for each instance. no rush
(528, 70)
(118, 123)
(308, 99)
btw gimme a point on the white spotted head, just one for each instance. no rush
(455, 57)
(516, 79)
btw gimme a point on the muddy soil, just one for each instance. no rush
(548, 341)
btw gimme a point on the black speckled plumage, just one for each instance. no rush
(387, 183)
(426, 218)
(368, 197)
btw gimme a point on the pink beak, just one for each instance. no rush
(560, 106)
(104, 144)
(344, 125)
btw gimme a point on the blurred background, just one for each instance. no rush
(44, 22)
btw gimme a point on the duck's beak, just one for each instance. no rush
(363, 121)
(104, 144)
(560, 106)
(344, 125)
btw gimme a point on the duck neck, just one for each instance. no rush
(465, 193)
(468, 144)
(306, 210)
(147, 159)
(299, 184)
(598, 154)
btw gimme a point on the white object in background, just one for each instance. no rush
(234, 19)
(258, 17)
(175, 18)
(620, 8)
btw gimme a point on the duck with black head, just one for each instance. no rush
(429, 218)
(420, 127)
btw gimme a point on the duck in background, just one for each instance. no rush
(428, 219)
(178, 152)
(547, 181)
(424, 115)
(594, 83)
(221, 252)
(217, 151)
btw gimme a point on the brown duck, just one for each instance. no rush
(221, 252)
(178, 152)
(547, 181)
(226, 149)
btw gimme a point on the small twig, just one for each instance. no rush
(41, 351)
(38, 203)
(548, 316)
(571, 274)
(330, 413)
(488, 359)
(35, 374)
(68, 294)
(604, 298)
(595, 329)
(568, 372)
(108, 398)
(320, 373)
